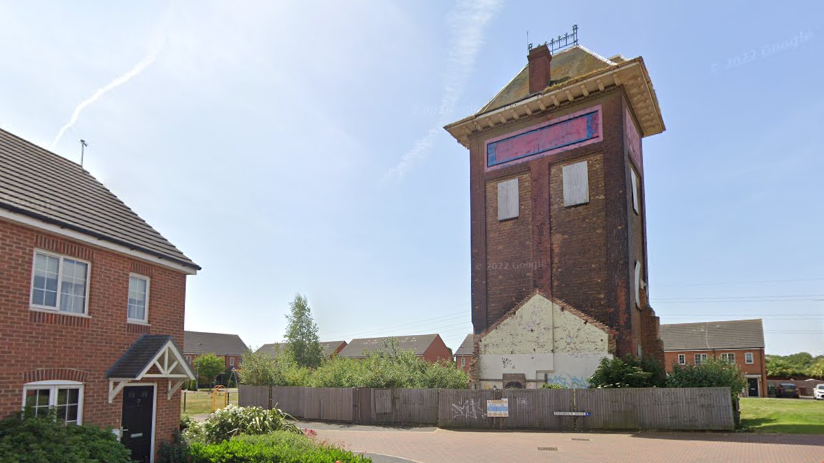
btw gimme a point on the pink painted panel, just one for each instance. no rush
(572, 131)
(632, 140)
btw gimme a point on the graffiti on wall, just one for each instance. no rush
(470, 408)
(568, 380)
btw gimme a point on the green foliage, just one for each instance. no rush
(232, 421)
(391, 367)
(302, 334)
(628, 372)
(176, 451)
(712, 373)
(816, 370)
(552, 386)
(277, 447)
(43, 440)
(208, 366)
(800, 365)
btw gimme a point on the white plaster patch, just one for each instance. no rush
(542, 339)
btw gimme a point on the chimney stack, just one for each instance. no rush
(539, 77)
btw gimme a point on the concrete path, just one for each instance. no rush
(432, 445)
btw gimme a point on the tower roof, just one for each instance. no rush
(575, 74)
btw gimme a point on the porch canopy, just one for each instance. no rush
(150, 357)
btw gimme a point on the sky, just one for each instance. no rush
(297, 147)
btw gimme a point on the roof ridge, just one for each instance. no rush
(714, 321)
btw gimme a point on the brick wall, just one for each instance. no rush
(509, 250)
(41, 345)
(467, 360)
(437, 351)
(582, 255)
(758, 367)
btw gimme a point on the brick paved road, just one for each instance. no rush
(430, 445)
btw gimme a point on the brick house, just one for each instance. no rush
(557, 203)
(463, 356)
(739, 341)
(91, 302)
(228, 346)
(429, 347)
(327, 348)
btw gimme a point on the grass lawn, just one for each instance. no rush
(792, 416)
(200, 402)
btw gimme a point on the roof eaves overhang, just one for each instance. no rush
(632, 75)
(74, 232)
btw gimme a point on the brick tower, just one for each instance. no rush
(557, 193)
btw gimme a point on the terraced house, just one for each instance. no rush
(91, 302)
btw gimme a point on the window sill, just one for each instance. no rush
(69, 314)
(138, 322)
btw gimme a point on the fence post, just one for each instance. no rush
(271, 405)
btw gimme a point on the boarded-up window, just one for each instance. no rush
(508, 199)
(637, 284)
(635, 192)
(576, 184)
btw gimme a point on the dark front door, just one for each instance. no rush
(138, 407)
(752, 387)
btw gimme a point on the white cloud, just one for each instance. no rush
(467, 23)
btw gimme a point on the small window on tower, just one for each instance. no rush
(576, 184)
(508, 203)
(637, 284)
(635, 192)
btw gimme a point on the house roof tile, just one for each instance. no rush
(47, 187)
(735, 334)
(196, 342)
(467, 346)
(358, 348)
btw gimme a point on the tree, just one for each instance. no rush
(817, 370)
(302, 334)
(208, 366)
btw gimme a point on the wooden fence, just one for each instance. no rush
(551, 409)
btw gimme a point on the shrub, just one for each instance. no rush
(176, 451)
(628, 372)
(43, 440)
(390, 368)
(276, 447)
(712, 373)
(552, 386)
(231, 421)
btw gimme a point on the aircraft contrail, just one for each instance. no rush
(137, 69)
(467, 24)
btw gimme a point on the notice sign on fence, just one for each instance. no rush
(497, 408)
(571, 413)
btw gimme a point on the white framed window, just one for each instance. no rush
(637, 284)
(138, 308)
(635, 193)
(576, 184)
(59, 283)
(231, 361)
(682, 359)
(463, 361)
(700, 358)
(728, 357)
(64, 396)
(189, 359)
(748, 358)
